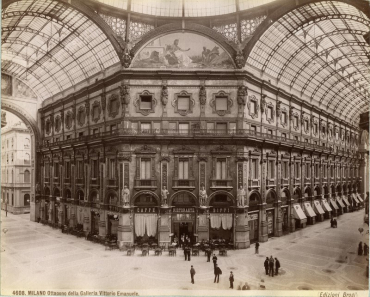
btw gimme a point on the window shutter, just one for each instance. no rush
(221, 103)
(183, 103)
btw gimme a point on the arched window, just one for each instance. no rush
(26, 199)
(27, 159)
(27, 176)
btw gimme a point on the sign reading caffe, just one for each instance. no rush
(220, 210)
(182, 209)
(145, 209)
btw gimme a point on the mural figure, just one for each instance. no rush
(125, 196)
(203, 196)
(164, 195)
(166, 52)
(241, 196)
(175, 55)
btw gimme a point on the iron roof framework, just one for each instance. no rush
(52, 46)
(319, 50)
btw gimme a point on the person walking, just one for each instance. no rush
(188, 250)
(266, 264)
(217, 273)
(214, 259)
(231, 279)
(209, 253)
(257, 247)
(360, 248)
(271, 266)
(277, 266)
(192, 273)
(185, 253)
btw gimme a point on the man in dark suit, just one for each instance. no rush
(192, 273)
(277, 266)
(271, 266)
(214, 259)
(217, 273)
(266, 264)
(188, 250)
(185, 253)
(209, 252)
(231, 279)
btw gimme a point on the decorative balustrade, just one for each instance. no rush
(221, 183)
(183, 183)
(146, 183)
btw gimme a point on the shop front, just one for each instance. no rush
(184, 213)
(346, 202)
(326, 207)
(297, 211)
(310, 213)
(340, 204)
(221, 218)
(355, 201)
(95, 217)
(146, 219)
(112, 228)
(334, 207)
(284, 197)
(318, 210)
(253, 217)
(271, 201)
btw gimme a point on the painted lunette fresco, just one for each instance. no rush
(183, 51)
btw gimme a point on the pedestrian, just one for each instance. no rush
(209, 253)
(185, 253)
(332, 222)
(360, 248)
(366, 249)
(335, 223)
(231, 279)
(257, 247)
(192, 273)
(214, 259)
(266, 264)
(277, 266)
(271, 266)
(189, 252)
(217, 273)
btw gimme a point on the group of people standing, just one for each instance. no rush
(363, 251)
(272, 266)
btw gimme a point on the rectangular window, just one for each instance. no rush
(112, 168)
(183, 169)
(283, 135)
(80, 169)
(96, 112)
(56, 139)
(315, 128)
(296, 138)
(308, 170)
(183, 128)
(67, 169)
(253, 107)
(285, 169)
(283, 118)
(221, 103)
(332, 171)
(94, 169)
(324, 170)
(68, 137)
(221, 127)
(113, 127)
(295, 121)
(145, 102)
(95, 131)
(271, 169)
(221, 169)
(297, 170)
(316, 170)
(56, 169)
(210, 127)
(253, 128)
(47, 170)
(305, 125)
(306, 140)
(80, 134)
(183, 103)
(145, 127)
(270, 132)
(254, 169)
(145, 172)
(270, 112)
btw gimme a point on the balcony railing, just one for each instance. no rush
(146, 183)
(183, 183)
(191, 133)
(94, 181)
(221, 183)
(285, 181)
(112, 182)
(79, 181)
(67, 180)
(253, 183)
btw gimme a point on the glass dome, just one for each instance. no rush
(192, 8)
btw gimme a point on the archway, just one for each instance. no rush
(271, 212)
(221, 228)
(94, 196)
(297, 194)
(7, 104)
(254, 203)
(146, 217)
(183, 218)
(80, 195)
(284, 197)
(307, 193)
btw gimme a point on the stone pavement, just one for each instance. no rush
(37, 257)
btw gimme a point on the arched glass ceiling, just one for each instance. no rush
(52, 46)
(192, 8)
(319, 49)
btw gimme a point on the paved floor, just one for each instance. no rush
(37, 257)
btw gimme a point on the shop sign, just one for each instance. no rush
(220, 210)
(253, 217)
(145, 210)
(270, 222)
(183, 217)
(183, 209)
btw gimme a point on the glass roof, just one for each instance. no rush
(52, 46)
(319, 49)
(192, 8)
